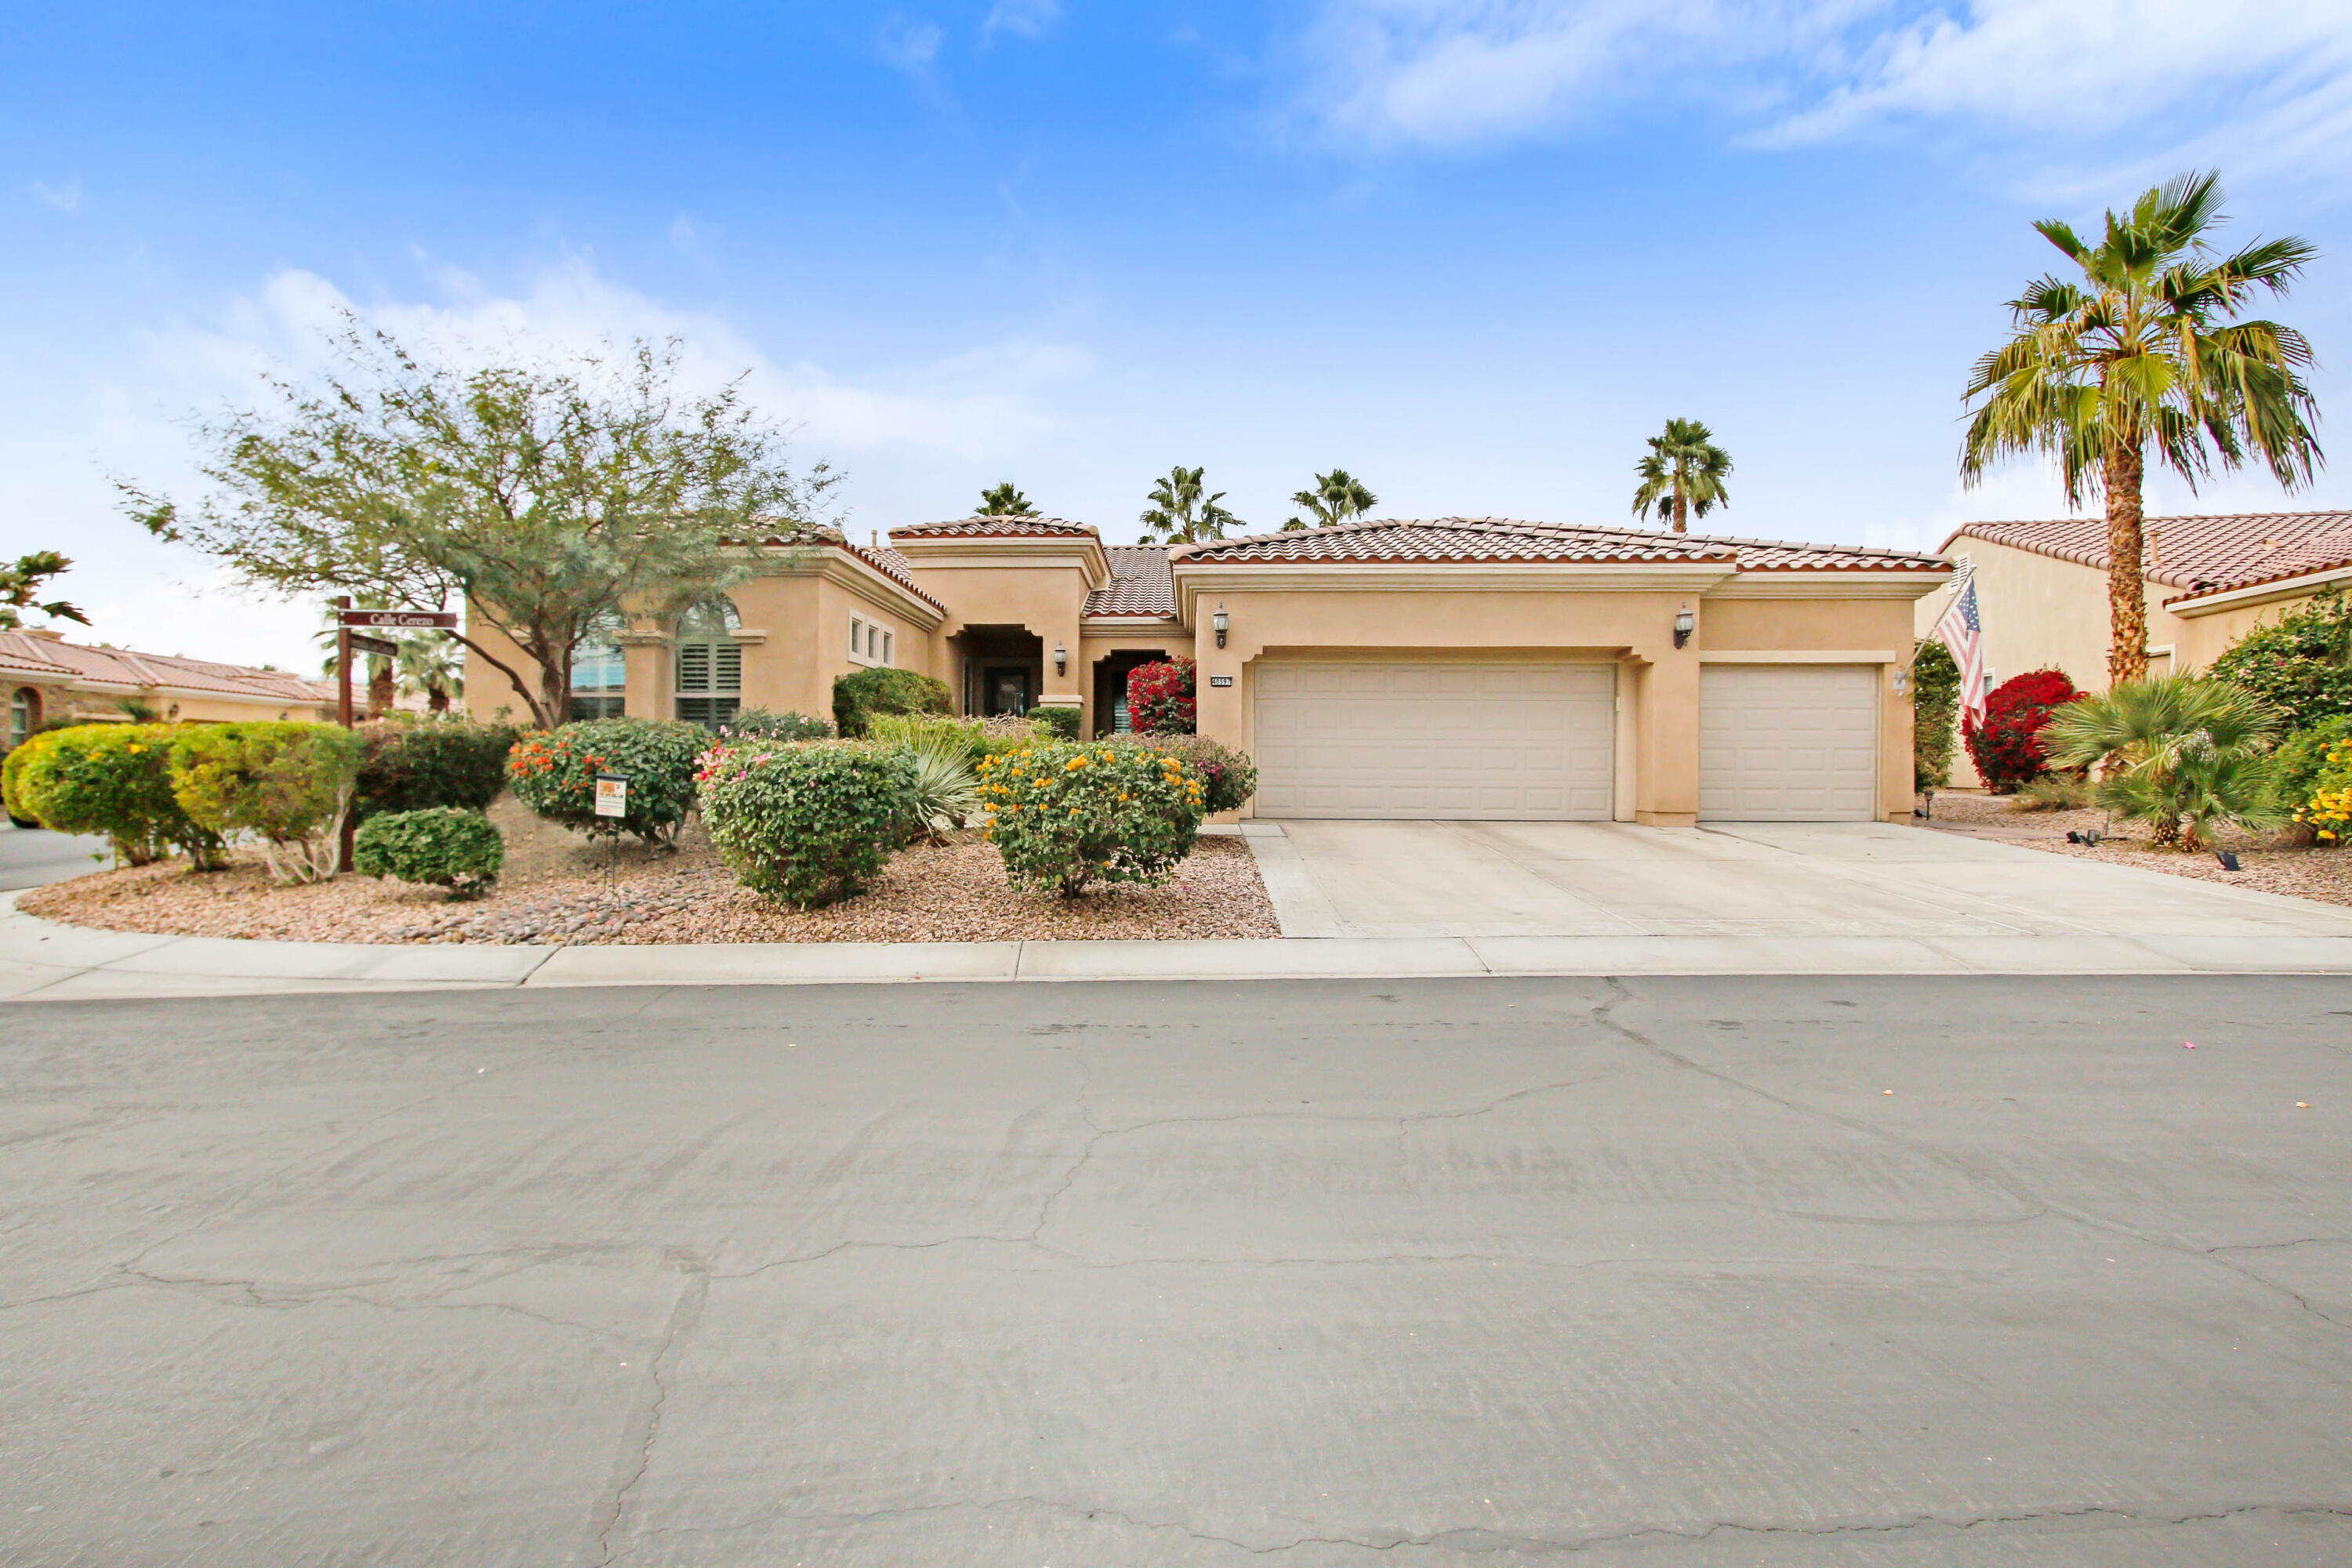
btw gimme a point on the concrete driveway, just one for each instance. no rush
(1778, 879)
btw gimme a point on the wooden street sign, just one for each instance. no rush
(375, 645)
(399, 620)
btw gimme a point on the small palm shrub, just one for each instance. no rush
(110, 779)
(1159, 697)
(1230, 777)
(1935, 714)
(759, 724)
(2300, 664)
(1065, 814)
(2006, 744)
(410, 764)
(439, 848)
(2177, 751)
(286, 784)
(554, 772)
(806, 823)
(858, 696)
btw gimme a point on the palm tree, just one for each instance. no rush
(2180, 752)
(429, 664)
(1179, 514)
(1337, 497)
(1683, 474)
(378, 701)
(1004, 501)
(2147, 350)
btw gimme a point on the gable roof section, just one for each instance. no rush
(44, 657)
(882, 558)
(2204, 554)
(997, 528)
(1503, 541)
(1142, 584)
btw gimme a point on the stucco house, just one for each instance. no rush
(1455, 668)
(48, 677)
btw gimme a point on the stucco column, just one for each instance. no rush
(1665, 788)
(1066, 689)
(646, 652)
(1222, 712)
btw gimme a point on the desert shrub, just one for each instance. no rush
(407, 764)
(1060, 722)
(2177, 751)
(858, 696)
(110, 779)
(1159, 697)
(946, 790)
(918, 731)
(1935, 711)
(1065, 814)
(2301, 664)
(1230, 777)
(554, 772)
(806, 823)
(759, 724)
(441, 848)
(286, 784)
(2006, 746)
(2060, 791)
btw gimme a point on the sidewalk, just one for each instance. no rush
(43, 962)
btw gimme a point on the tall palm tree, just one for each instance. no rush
(429, 663)
(1683, 474)
(2147, 351)
(1180, 514)
(1337, 497)
(1004, 501)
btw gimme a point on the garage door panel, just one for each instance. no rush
(1789, 742)
(1448, 740)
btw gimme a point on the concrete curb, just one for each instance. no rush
(41, 961)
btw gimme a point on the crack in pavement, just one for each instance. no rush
(632, 1460)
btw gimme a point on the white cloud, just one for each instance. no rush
(909, 46)
(65, 198)
(2259, 81)
(1030, 18)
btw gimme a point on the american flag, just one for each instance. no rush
(1961, 631)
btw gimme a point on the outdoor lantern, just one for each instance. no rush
(1902, 682)
(1684, 623)
(1221, 621)
(1061, 659)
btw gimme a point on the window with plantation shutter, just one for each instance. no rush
(709, 663)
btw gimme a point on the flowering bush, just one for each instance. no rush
(2318, 768)
(1065, 814)
(758, 723)
(411, 764)
(286, 784)
(441, 848)
(2300, 664)
(114, 779)
(1159, 697)
(554, 772)
(1229, 777)
(806, 823)
(2006, 747)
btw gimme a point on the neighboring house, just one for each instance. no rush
(1457, 669)
(48, 677)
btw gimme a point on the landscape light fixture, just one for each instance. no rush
(1061, 659)
(1685, 623)
(1221, 621)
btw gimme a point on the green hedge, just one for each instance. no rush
(440, 848)
(415, 765)
(1934, 715)
(1065, 814)
(110, 779)
(286, 784)
(807, 824)
(759, 724)
(860, 695)
(1062, 723)
(2300, 664)
(554, 772)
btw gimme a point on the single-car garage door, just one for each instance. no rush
(1787, 743)
(1464, 742)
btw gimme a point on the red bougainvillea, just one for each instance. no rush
(2007, 747)
(1160, 698)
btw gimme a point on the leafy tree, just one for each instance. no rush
(546, 498)
(1181, 514)
(2182, 751)
(1337, 497)
(20, 583)
(1004, 501)
(1683, 474)
(2147, 353)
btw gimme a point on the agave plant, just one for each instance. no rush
(946, 793)
(2178, 752)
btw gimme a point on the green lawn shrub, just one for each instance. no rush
(1062, 723)
(110, 779)
(554, 772)
(441, 847)
(412, 764)
(1066, 815)
(288, 784)
(1230, 776)
(759, 724)
(807, 823)
(858, 696)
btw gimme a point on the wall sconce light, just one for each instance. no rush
(1221, 621)
(1902, 682)
(1061, 659)
(1683, 625)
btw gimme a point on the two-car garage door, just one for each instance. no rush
(1787, 743)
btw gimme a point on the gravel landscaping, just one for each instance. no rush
(2268, 864)
(557, 889)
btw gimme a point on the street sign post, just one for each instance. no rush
(397, 620)
(376, 646)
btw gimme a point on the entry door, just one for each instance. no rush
(1787, 743)
(1008, 690)
(1457, 741)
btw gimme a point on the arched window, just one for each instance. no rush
(709, 663)
(600, 674)
(24, 715)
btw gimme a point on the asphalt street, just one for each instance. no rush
(34, 857)
(1653, 1272)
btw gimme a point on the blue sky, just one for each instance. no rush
(1473, 250)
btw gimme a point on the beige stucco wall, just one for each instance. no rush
(1045, 600)
(60, 700)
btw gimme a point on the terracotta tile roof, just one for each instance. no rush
(997, 527)
(882, 558)
(1140, 583)
(1485, 538)
(131, 671)
(2203, 554)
